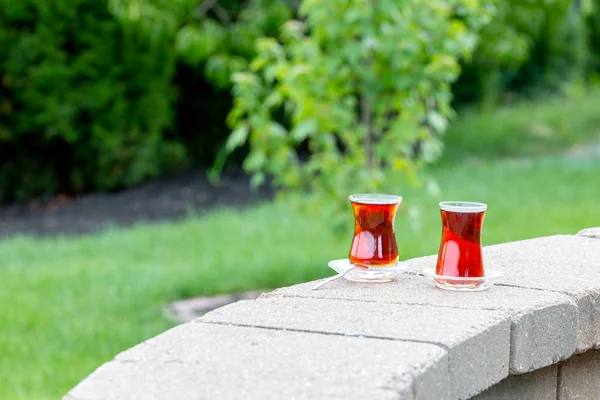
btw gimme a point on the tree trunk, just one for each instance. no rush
(365, 116)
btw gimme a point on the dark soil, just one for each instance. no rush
(161, 200)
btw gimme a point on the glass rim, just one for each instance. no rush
(375, 198)
(463, 206)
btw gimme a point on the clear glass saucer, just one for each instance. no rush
(367, 274)
(464, 284)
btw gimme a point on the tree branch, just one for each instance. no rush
(204, 7)
(222, 14)
(214, 6)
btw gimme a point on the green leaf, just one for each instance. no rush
(304, 130)
(245, 78)
(237, 138)
(220, 68)
(255, 160)
(276, 129)
(274, 99)
(196, 44)
(437, 121)
(431, 150)
(257, 180)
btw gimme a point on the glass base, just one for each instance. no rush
(466, 284)
(367, 274)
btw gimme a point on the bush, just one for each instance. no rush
(84, 100)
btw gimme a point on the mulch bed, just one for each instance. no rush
(161, 200)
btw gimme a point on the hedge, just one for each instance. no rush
(84, 100)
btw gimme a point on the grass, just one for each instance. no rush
(69, 304)
(525, 129)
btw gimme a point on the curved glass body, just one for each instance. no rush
(374, 241)
(460, 249)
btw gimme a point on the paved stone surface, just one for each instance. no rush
(562, 263)
(205, 361)
(544, 324)
(579, 377)
(567, 253)
(536, 385)
(593, 233)
(478, 343)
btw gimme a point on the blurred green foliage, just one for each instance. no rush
(221, 35)
(85, 100)
(301, 103)
(531, 47)
(362, 85)
(218, 40)
(101, 94)
(592, 19)
(213, 39)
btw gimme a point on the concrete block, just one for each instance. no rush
(543, 336)
(544, 323)
(536, 385)
(562, 263)
(206, 361)
(579, 377)
(477, 342)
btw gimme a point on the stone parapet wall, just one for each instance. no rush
(532, 336)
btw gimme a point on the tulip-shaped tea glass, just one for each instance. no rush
(459, 264)
(374, 252)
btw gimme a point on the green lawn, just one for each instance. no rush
(526, 129)
(69, 304)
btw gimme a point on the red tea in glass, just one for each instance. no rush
(374, 242)
(460, 250)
